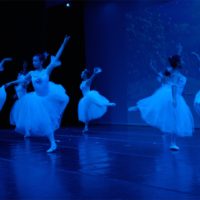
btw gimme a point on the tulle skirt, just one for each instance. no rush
(92, 106)
(3, 96)
(20, 90)
(197, 102)
(158, 111)
(40, 115)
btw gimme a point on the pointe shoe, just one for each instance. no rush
(52, 148)
(26, 136)
(85, 130)
(134, 108)
(112, 104)
(174, 147)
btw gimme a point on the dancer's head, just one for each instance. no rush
(84, 74)
(38, 61)
(175, 61)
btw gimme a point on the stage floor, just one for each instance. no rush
(110, 162)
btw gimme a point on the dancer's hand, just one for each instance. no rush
(66, 39)
(97, 70)
(57, 63)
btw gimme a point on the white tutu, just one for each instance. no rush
(158, 110)
(197, 102)
(92, 106)
(21, 88)
(40, 115)
(3, 96)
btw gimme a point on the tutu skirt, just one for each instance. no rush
(40, 115)
(3, 96)
(20, 90)
(92, 106)
(197, 102)
(158, 111)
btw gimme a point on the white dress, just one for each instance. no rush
(3, 96)
(40, 112)
(158, 110)
(92, 105)
(197, 102)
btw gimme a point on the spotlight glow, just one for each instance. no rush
(68, 5)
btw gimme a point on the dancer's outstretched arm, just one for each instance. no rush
(60, 50)
(179, 49)
(196, 55)
(26, 79)
(3, 62)
(96, 71)
(160, 76)
(153, 67)
(55, 60)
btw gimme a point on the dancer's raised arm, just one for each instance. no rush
(179, 49)
(26, 79)
(55, 59)
(3, 62)
(196, 55)
(96, 71)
